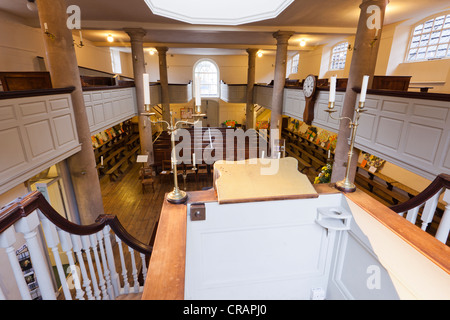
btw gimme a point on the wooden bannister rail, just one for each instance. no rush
(429, 199)
(441, 181)
(100, 278)
(35, 200)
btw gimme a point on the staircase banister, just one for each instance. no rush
(123, 234)
(25, 205)
(441, 181)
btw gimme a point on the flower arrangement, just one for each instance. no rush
(230, 123)
(324, 175)
(373, 161)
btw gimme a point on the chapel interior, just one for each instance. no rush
(345, 95)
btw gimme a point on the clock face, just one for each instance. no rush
(309, 86)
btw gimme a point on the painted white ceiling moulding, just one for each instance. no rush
(218, 12)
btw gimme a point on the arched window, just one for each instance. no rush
(339, 56)
(430, 39)
(207, 73)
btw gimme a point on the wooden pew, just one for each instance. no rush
(124, 163)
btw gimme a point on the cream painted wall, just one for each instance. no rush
(20, 45)
(233, 69)
(309, 63)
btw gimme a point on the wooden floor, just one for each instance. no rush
(137, 211)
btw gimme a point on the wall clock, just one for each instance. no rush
(309, 89)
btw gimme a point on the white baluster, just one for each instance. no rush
(144, 266)
(412, 214)
(87, 249)
(111, 261)
(66, 245)
(7, 240)
(126, 285)
(101, 279)
(28, 226)
(444, 225)
(429, 210)
(105, 266)
(134, 272)
(76, 242)
(51, 237)
(2, 296)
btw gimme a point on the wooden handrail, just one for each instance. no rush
(24, 206)
(441, 181)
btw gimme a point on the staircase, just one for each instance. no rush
(98, 256)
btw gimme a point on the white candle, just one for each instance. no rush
(332, 89)
(279, 155)
(364, 89)
(101, 160)
(262, 154)
(146, 80)
(198, 99)
(193, 159)
(45, 26)
(81, 37)
(329, 154)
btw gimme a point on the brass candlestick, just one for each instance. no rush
(177, 196)
(346, 185)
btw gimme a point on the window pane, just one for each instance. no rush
(421, 53)
(431, 52)
(445, 36)
(424, 39)
(428, 26)
(418, 29)
(412, 55)
(438, 23)
(441, 51)
(435, 37)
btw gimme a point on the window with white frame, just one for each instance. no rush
(207, 73)
(295, 59)
(339, 56)
(430, 39)
(115, 61)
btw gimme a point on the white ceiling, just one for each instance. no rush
(319, 22)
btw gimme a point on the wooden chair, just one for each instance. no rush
(146, 175)
(166, 168)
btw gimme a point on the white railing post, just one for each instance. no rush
(87, 250)
(66, 246)
(76, 242)
(51, 237)
(429, 210)
(111, 264)
(134, 273)
(101, 279)
(126, 285)
(28, 226)
(106, 272)
(7, 240)
(444, 225)
(144, 266)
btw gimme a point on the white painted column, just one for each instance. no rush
(7, 240)
(444, 225)
(28, 226)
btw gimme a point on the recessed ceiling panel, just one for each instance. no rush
(218, 12)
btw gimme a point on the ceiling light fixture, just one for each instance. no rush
(302, 43)
(259, 54)
(31, 5)
(110, 38)
(152, 52)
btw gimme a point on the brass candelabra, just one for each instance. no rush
(177, 196)
(346, 185)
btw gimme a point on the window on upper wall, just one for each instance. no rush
(430, 39)
(339, 56)
(295, 59)
(115, 61)
(207, 73)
